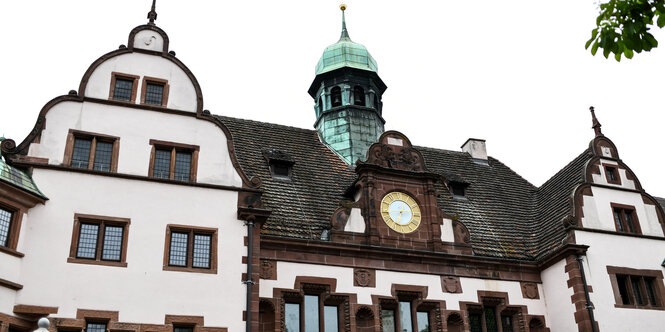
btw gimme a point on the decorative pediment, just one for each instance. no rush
(394, 150)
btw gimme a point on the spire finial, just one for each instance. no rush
(152, 14)
(596, 124)
(345, 34)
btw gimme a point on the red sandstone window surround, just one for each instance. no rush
(92, 151)
(123, 87)
(99, 240)
(612, 174)
(154, 91)
(10, 225)
(638, 289)
(173, 161)
(190, 249)
(625, 218)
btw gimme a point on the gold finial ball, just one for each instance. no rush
(342, 7)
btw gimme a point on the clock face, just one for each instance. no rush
(400, 212)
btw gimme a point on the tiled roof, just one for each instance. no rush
(661, 201)
(507, 216)
(19, 179)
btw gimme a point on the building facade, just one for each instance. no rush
(129, 207)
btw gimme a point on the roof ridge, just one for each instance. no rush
(221, 117)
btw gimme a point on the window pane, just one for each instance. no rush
(490, 320)
(103, 152)
(162, 166)
(81, 153)
(507, 323)
(622, 282)
(292, 317)
(123, 89)
(617, 219)
(637, 290)
(388, 320)
(423, 321)
(96, 327)
(202, 251)
(183, 329)
(178, 252)
(5, 223)
(475, 323)
(650, 292)
(629, 220)
(405, 316)
(112, 243)
(87, 247)
(154, 93)
(183, 162)
(311, 313)
(331, 318)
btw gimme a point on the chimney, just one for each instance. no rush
(476, 148)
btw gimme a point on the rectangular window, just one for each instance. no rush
(423, 321)
(507, 323)
(405, 316)
(6, 218)
(475, 322)
(123, 87)
(612, 174)
(173, 161)
(637, 288)
(91, 151)
(10, 225)
(99, 240)
(388, 320)
(311, 313)
(183, 329)
(625, 219)
(331, 318)
(154, 91)
(483, 319)
(191, 249)
(95, 327)
(292, 317)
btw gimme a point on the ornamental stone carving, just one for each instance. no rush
(450, 284)
(530, 290)
(364, 278)
(268, 270)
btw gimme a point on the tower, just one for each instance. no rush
(347, 94)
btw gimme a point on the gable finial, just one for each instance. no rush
(345, 34)
(596, 124)
(152, 14)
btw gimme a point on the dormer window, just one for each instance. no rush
(123, 87)
(612, 174)
(280, 163)
(154, 91)
(458, 189)
(358, 96)
(336, 96)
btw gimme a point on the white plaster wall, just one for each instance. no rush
(141, 292)
(602, 178)
(287, 272)
(182, 94)
(136, 127)
(557, 295)
(149, 40)
(622, 251)
(447, 234)
(7, 300)
(356, 223)
(598, 211)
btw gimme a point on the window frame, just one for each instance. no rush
(174, 147)
(102, 221)
(94, 137)
(156, 81)
(614, 169)
(191, 230)
(624, 222)
(14, 229)
(134, 78)
(658, 287)
(414, 296)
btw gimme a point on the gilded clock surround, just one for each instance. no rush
(406, 220)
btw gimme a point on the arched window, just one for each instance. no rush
(358, 96)
(319, 106)
(266, 317)
(336, 96)
(455, 323)
(376, 103)
(364, 320)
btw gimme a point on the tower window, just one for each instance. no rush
(376, 103)
(358, 96)
(123, 87)
(319, 106)
(336, 96)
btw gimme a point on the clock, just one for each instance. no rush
(400, 212)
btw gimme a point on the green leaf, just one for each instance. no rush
(651, 40)
(628, 52)
(594, 48)
(618, 56)
(661, 21)
(606, 52)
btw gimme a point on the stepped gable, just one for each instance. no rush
(500, 204)
(303, 206)
(554, 204)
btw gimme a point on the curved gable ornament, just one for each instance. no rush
(394, 150)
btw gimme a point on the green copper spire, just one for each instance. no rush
(345, 53)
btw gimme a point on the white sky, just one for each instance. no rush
(512, 72)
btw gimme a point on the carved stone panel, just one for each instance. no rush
(450, 284)
(530, 290)
(364, 277)
(268, 269)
